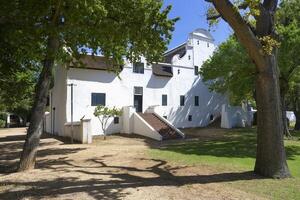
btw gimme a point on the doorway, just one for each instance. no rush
(138, 99)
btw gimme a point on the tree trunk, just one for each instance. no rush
(297, 125)
(34, 131)
(283, 89)
(297, 107)
(286, 130)
(270, 156)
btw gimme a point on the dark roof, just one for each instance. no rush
(93, 62)
(162, 70)
(181, 50)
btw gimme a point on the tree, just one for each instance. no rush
(255, 29)
(18, 77)
(104, 114)
(59, 30)
(236, 74)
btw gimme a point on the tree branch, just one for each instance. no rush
(243, 32)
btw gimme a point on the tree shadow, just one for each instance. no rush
(11, 148)
(118, 179)
(238, 143)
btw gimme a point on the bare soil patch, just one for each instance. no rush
(116, 168)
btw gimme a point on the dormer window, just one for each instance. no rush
(138, 68)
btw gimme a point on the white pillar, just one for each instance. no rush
(128, 119)
(86, 131)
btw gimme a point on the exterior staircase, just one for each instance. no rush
(165, 130)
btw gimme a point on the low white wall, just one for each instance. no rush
(81, 131)
(141, 127)
(127, 117)
(235, 116)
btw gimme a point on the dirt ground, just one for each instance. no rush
(117, 168)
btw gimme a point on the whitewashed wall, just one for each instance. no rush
(119, 92)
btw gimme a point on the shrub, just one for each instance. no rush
(2, 123)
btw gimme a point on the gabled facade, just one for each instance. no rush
(173, 88)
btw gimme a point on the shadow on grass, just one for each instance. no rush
(238, 143)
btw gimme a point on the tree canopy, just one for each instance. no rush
(58, 31)
(234, 72)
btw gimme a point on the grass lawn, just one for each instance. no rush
(235, 152)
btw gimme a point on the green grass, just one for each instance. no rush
(235, 152)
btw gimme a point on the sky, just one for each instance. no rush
(192, 16)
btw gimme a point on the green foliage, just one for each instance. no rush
(2, 123)
(114, 28)
(230, 71)
(104, 113)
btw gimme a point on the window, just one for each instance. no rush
(190, 118)
(178, 71)
(166, 117)
(138, 68)
(198, 42)
(98, 99)
(116, 120)
(196, 100)
(164, 100)
(196, 71)
(189, 57)
(138, 90)
(182, 99)
(207, 44)
(211, 117)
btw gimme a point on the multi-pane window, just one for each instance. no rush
(190, 118)
(138, 68)
(196, 100)
(98, 99)
(116, 120)
(164, 100)
(182, 99)
(138, 90)
(196, 70)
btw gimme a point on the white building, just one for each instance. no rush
(173, 90)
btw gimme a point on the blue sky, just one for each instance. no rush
(192, 16)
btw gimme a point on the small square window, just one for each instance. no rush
(98, 99)
(196, 70)
(138, 68)
(116, 120)
(164, 99)
(196, 100)
(182, 99)
(190, 118)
